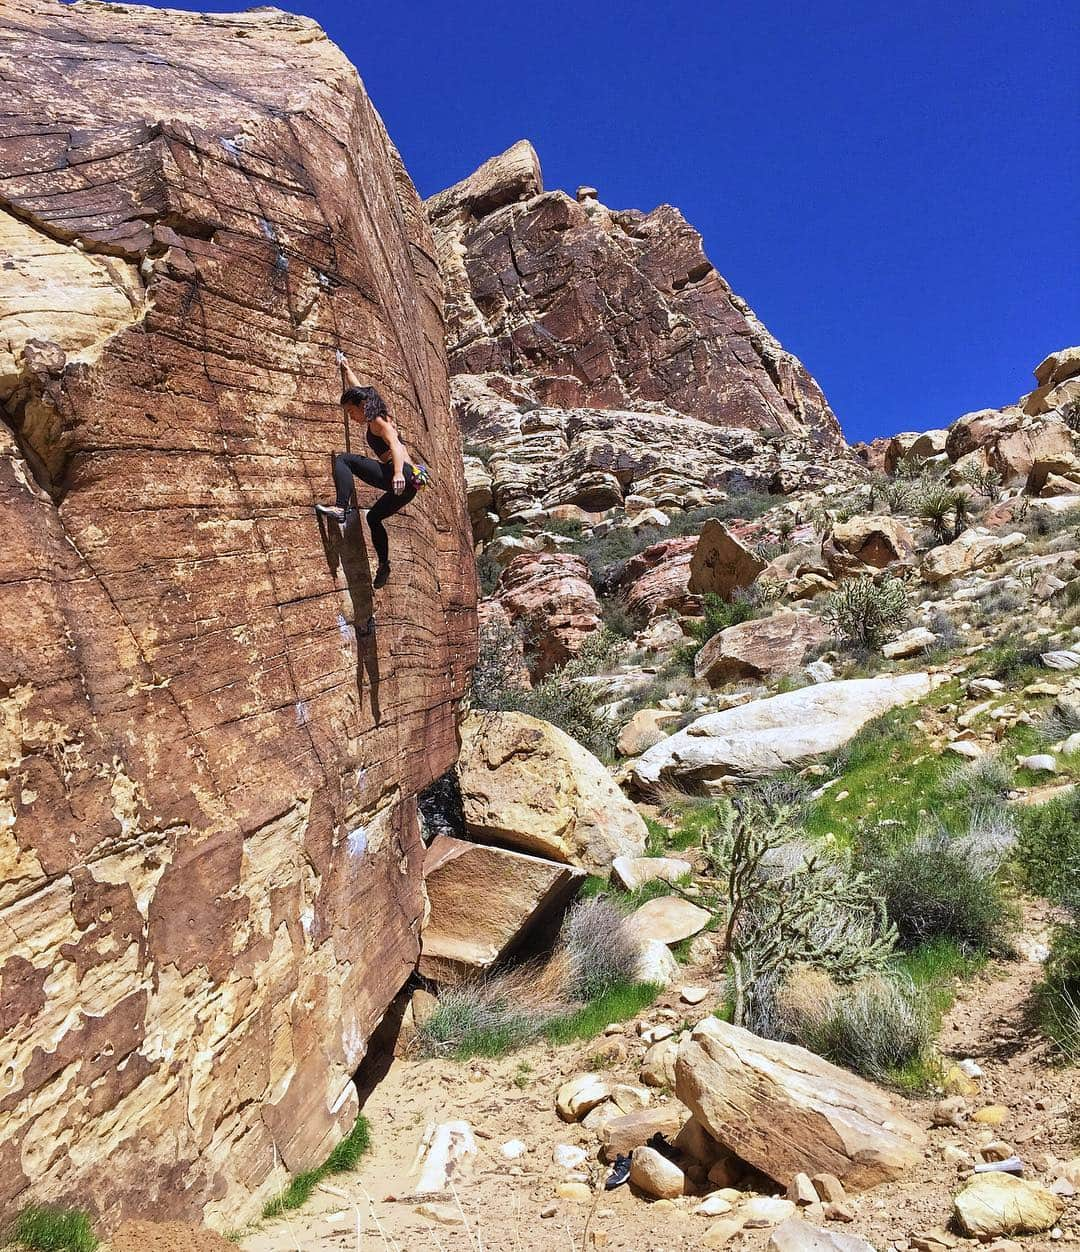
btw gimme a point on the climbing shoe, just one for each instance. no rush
(620, 1172)
(333, 513)
(382, 575)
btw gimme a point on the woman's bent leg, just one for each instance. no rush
(385, 507)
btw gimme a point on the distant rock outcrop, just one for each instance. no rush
(605, 308)
(210, 870)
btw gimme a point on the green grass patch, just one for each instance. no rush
(619, 1002)
(48, 1229)
(936, 967)
(345, 1157)
(1049, 843)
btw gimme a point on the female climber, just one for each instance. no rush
(393, 472)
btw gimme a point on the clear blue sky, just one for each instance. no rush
(894, 188)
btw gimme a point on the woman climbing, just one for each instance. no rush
(394, 472)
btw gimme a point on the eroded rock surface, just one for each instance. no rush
(209, 855)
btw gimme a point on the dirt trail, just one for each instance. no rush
(513, 1097)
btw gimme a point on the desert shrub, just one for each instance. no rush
(560, 697)
(1049, 843)
(785, 910)
(945, 509)
(897, 494)
(865, 612)
(1058, 996)
(719, 615)
(948, 637)
(600, 949)
(1011, 662)
(985, 781)
(1000, 601)
(48, 1229)
(934, 887)
(1059, 722)
(875, 1026)
(982, 479)
(588, 981)
(488, 572)
(616, 617)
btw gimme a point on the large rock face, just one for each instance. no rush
(609, 307)
(209, 859)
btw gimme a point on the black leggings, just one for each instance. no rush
(378, 474)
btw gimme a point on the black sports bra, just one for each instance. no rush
(375, 442)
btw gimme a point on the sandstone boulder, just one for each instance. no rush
(721, 563)
(785, 1110)
(656, 580)
(974, 549)
(644, 729)
(670, 919)
(761, 647)
(997, 1203)
(766, 736)
(482, 901)
(914, 448)
(550, 596)
(867, 543)
(526, 784)
(211, 885)
(910, 643)
(624, 1134)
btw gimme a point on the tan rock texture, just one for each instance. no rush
(209, 858)
(482, 901)
(549, 595)
(528, 785)
(785, 1110)
(763, 646)
(607, 306)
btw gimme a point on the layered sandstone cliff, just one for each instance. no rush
(209, 858)
(607, 309)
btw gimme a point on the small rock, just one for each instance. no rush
(999, 1204)
(1062, 660)
(1039, 763)
(949, 1112)
(801, 1190)
(722, 1232)
(796, 1235)
(910, 643)
(629, 1099)
(658, 1064)
(568, 1156)
(445, 1214)
(598, 1118)
(714, 1205)
(512, 1149)
(934, 1241)
(765, 1210)
(654, 1034)
(970, 1067)
(965, 748)
(991, 1115)
(549, 1210)
(956, 1082)
(579, 1095)
(957, 1157)
(996, 1151)
(655, 1175)
(693, 995)
(838, 1212)
(580, 1191)
(830, 1188)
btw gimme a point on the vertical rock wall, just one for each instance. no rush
(209, 859)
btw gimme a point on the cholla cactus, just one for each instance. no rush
(820, 913)
(982, 479)
(866, 612)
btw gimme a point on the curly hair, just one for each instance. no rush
(367, 398)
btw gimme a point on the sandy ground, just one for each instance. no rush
(498, 1205)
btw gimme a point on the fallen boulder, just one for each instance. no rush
(786, 1111)
(764, 646)
(526, 784)
(867, 542)
(656, 1176)
(550, 596)
(765, 736)
(669, 919)
(482, 901)
(721, 563)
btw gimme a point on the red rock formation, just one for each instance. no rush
(209, 859)
(549, 594)
(607, 309)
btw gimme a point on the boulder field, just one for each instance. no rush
(210, 867)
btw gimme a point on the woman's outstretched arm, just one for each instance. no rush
(348, 378)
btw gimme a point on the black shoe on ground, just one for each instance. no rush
(620, 1172)
(382, 576)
